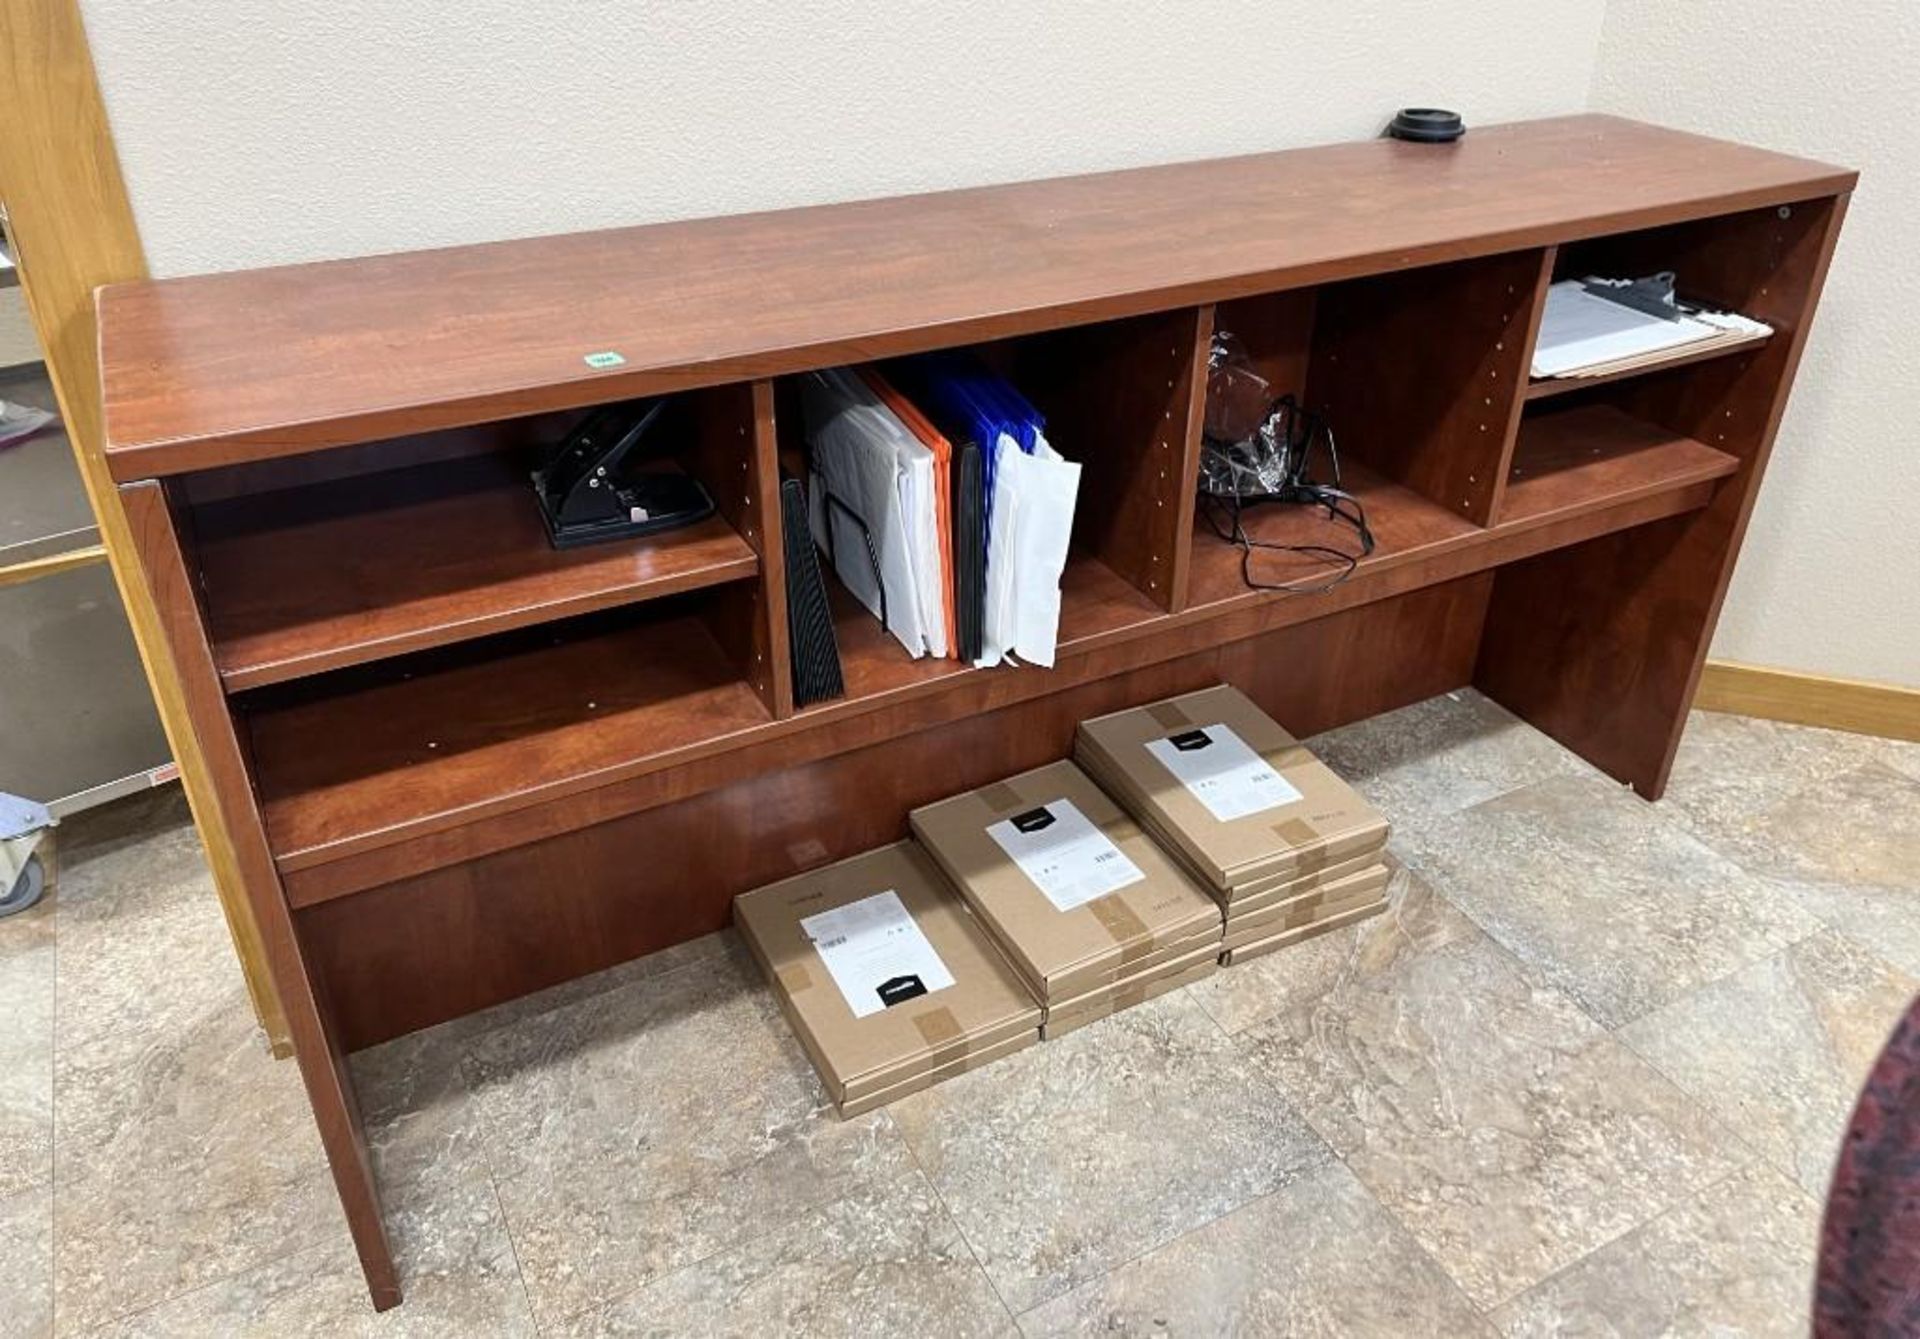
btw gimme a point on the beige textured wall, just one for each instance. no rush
(1829, 581)
(257, 133)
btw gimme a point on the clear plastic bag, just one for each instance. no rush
(1255, 445)
(1257, 449)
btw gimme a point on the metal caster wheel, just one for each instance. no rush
(27, 888)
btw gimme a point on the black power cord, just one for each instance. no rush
(1299, 432)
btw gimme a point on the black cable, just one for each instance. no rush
(1300, 431)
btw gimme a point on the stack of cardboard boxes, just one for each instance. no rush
(1193, 832)
(887, 980)
(1092, 914)
(1288, 848)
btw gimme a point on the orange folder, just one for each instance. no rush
(918, 424)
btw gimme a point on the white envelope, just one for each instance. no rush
(1040, 551)
(855, 459)
(1032, 520)
(997, 608)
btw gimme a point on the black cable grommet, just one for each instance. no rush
(1427, 125)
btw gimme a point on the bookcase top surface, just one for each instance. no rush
(224, 368)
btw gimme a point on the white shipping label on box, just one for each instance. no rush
(1222, 772)
(876, 953)
(1066, 856)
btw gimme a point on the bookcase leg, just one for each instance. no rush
(157, 536)
(1599, 645)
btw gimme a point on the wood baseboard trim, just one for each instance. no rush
(1810, 699)
(33, 569)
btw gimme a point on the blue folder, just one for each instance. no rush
(972, 407)
(969, 402)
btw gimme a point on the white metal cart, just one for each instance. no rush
(77, 721)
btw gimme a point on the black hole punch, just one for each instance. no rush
(590, 488)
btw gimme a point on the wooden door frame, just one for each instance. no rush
(73, 230)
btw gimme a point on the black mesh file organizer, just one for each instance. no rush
(810, 638)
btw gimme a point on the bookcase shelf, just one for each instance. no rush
(1577, 475)
(1404, 525)
(1575, 459)
(1095, 602)
(302, 581)
(1547, 388)
(477, 728)
(457, 766)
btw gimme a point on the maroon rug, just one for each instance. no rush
(1869, 1280)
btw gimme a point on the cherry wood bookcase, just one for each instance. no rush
(460, 766)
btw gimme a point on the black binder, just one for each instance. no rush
(812, 645)
(969, 485)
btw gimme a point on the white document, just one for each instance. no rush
(920, 503)
(864, 456)
(1581, 329)
(874, 944)
(1064, 854)
(1033, 502)
(1040, 552)
(1219, 769)
(997, 610)
(1733, 323)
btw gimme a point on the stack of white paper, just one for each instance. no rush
(883, 479)
(1033, 498)
(1583, 334)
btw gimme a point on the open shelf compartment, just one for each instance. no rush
(448, 735)
(1116, 397)
(1586, 468)
(1729, 262)
(1403, 523)
(302, 575)
(1573, 458)
(1415, 373)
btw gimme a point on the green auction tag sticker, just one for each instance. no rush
(604, 358)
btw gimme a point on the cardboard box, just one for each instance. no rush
(1272, 892)
(1340, 895)
(1254, 934)
(1217, 777)
(1261, 947)
(922, 1081)
(1174, 957)
(895, 982)
(1130, 987)
(1076, 895)
(1076, 1014)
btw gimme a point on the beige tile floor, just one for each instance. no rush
(1587, 1077)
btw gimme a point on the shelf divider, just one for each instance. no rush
(1420, 373)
